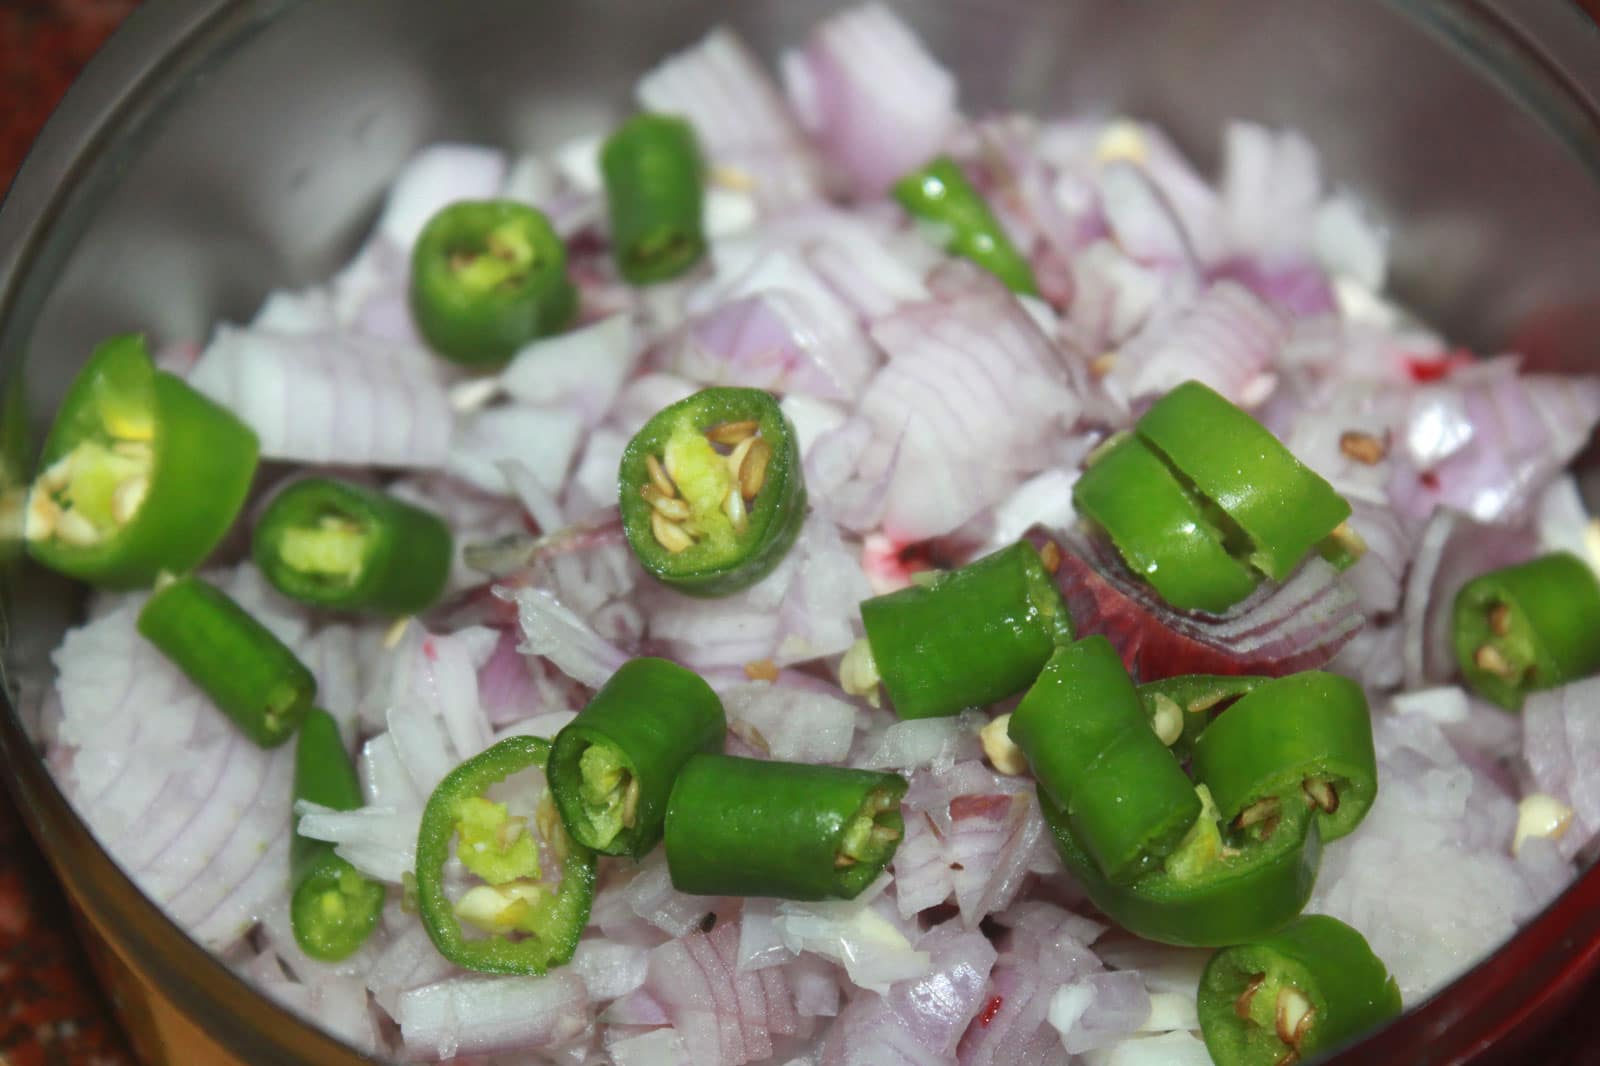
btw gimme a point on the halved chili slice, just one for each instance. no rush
(712, 491)
(1528, 627)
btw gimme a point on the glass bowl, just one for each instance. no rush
(218, 148)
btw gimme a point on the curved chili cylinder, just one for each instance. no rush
(251, 675)
(975, 635)
(1309, 988)
(654, 197)
(1283, 506)
(1160, 530)
(140, 473)
(341, 546)
(940, 195)
(487, 277)
(1527, 627)
(1089, 743)
(712, 491)
(612, 768)
(1299, 741)
(749, 827)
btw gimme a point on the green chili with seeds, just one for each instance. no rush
(1527, 627)
(654, 194)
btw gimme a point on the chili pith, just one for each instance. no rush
(1308, 988)
(1084, 732)
(1528, 627)
(612, 767)
(748, 827)
(140, 473)
(969, 637)
(249, 673)
(940, 195)
(1299, 741)
(332, 908)
(332, 544)
(487, 277)
(497, 847)
(653, 177)
(712, 491)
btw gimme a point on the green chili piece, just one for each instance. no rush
(336, 545)
(487, 277)
(1302, 740)
(1231, 460)
(1308, 989)
(332, 908)
(612, 767)
(1090, 746)
(1180, 708)
(496, 846)
(1528, 627)
(747, 827)
(712, 491)
(250, 675)
(940, 196)
(140, 473)
(1160, 529)
(653, 176)
(970, 637)
(1215, 888)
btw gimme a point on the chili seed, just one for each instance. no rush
(630, 803)
(1003, 753)
(1363, 447)
(1500, 620)
(761, 670)
(1491, 660)
(1168, 719)
(731, 433)
(670, 507)
(659, 478)
(1321, 793)
(733, 507)
(1050, 556)
(1293, 1017)
(669, 534)
(1263, 813)
(1540, 815)
(75, 529)
(127, 497)
(1241, 1006)
(753, 471)
(43, 514)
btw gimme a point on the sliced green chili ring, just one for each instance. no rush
(332, 908)
(1302, 740)
(1160, 530)
(940, 195)
(550, 923)
(1181, 707)
(747, 827)
(1307, 989)
(712, 491)
(487, 277)
(140, 473)
(654, 194)
(612, 767)
(250, 675)
(337, 545)
(1235, 463)
(1090, 746)
(1213, 890)
(1527, 627)
(968, 638)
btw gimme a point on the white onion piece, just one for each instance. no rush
(608, 969)
(1017, 1030)
(795, 726)
(659, 1047)
(740, 119)
(1271, 187)
(861, 934)
(726, 1018)
(918, 742)
(778, 340)
(330, 398)
(490, 1015)
(873, 98)
(437, 176)
(543, 439)
(553, 631)
(1140, 219)
(1228, 339)
(381, 842)
(581, 370)
(1099, 1009)
(1113, 297)
(1168, 1049)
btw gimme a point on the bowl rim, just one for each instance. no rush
(1528, 46)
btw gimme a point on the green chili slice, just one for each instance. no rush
(612, 767)
(332, 908)
(1302, 740)
(528, 925)
(1086, 737)
(250, 675)
(1289, 997)
(1528, 627)
(712, 491)
(140, 473)
(1180, 708)
(970, 637)
(1161, 531)
(1284, 508)
(332, 544)
(653, 177)
(746, 827)
(940, 196)
(487, 277)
